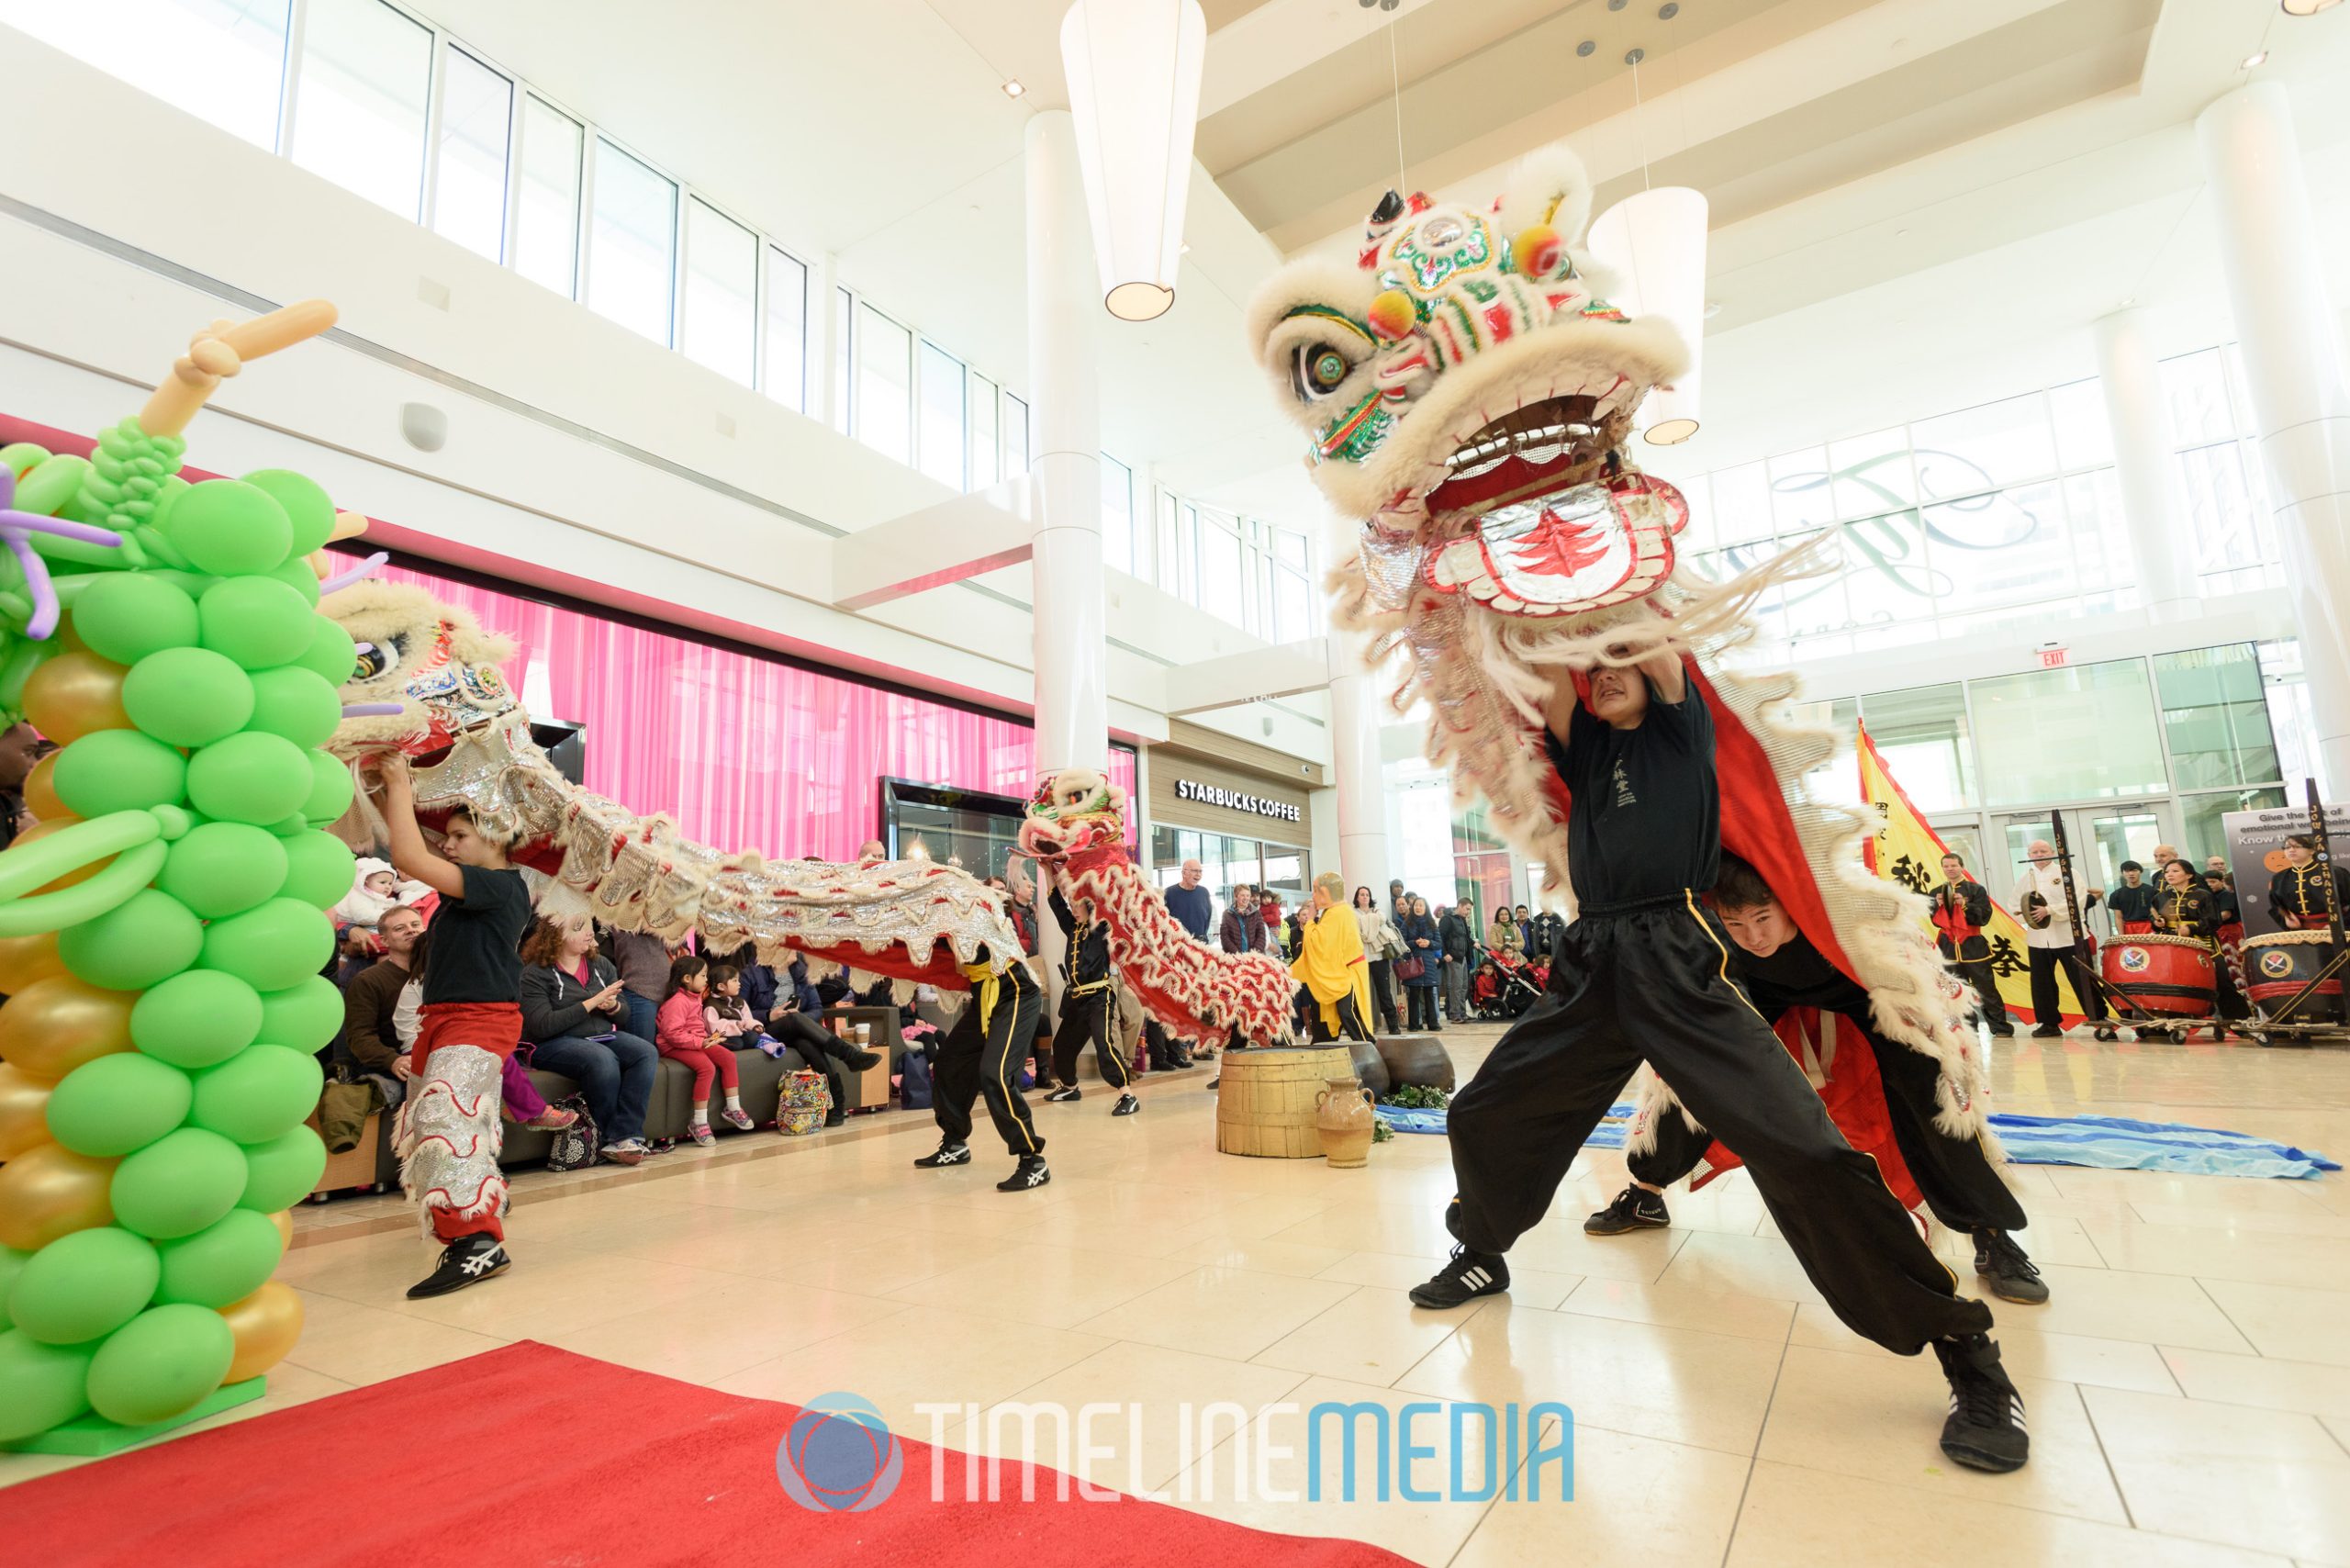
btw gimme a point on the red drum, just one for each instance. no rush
(2276, 965)
(2168, 975)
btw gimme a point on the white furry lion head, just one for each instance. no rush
(1466, 388)
(432, 659)
(1073, 810)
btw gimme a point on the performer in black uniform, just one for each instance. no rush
(1086, 1000)
(2133, 902)
(1644, 972)
(1781, 969)
(2299, 895)
(2184, 907)
(979, 1057)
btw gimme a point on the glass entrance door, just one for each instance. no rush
(2101, 838)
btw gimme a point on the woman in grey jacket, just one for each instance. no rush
(573, 1013)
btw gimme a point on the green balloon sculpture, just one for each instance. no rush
(168, 633)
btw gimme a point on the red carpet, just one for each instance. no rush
(531, 1455)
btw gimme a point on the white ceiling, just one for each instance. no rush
(1918, 202)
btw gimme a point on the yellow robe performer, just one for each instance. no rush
(1331, 964)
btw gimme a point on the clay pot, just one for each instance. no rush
(1343, 1119)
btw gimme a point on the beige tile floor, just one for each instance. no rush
(2189, 1384)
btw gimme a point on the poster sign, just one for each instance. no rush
(2255, 851)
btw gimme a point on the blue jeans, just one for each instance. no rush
(616, 1075)
(640, 1014)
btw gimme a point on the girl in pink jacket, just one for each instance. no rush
(681, 1029)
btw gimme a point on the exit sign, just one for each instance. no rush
(2054, 657)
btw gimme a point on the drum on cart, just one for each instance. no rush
(2276, 965)
(2172, 976)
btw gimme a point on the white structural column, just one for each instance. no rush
(1072, 683)
(2253, 163)
(2146, 464)
(1071, 658)
(1356, 703)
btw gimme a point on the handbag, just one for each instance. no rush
(575, 1146)
(1411, 966)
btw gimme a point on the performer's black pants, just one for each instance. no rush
(1651, 980)
(1087, 1018)
(1954, 1175)
(973, 1062)
(2047, 1010)
(1318, 1028)
(1979, 974)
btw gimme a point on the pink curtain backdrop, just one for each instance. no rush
(744, 752)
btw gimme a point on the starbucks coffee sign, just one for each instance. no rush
(1236, 800)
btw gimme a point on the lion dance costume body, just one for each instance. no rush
(1467, 391)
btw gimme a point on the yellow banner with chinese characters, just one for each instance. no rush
(1904, 849)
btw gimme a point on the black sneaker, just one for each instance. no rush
(863, 1062)
(1466, 1277)
(948, 1152)
(1635, 1208)
(1064, 1094)
(1127, 1106)
(1985, 1428)
(835, 1117)
(467, 1260)
(2047, 1032)
(2011, 1275)
(1030, 1173)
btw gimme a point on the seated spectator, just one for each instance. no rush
(1486, 990)
(794, 1026)
(573, 1011)
(642, 962)
(726, 1014)
(682, 1033)
(375, 891)
(371, 1000)
(356, 951)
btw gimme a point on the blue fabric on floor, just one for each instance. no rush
(2106, 1143)
(2118, 1143)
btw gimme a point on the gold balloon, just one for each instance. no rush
(54, 1026)
(73, 695)
(24, 1111)
(25, 960)
(283, 1220)
(40, 789)
(83, 873)
(266, 1324)
(49, 1191)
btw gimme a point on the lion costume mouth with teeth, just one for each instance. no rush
(1466, 391)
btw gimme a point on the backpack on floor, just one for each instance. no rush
(575, 1146)
(914, 1082)
(803, 1103)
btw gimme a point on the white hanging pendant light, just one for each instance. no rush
(1134, 90)
(1655, 242)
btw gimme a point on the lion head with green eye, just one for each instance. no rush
(1464, 385)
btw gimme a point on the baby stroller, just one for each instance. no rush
(1519, 989)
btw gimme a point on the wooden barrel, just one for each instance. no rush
(1265, 1101)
